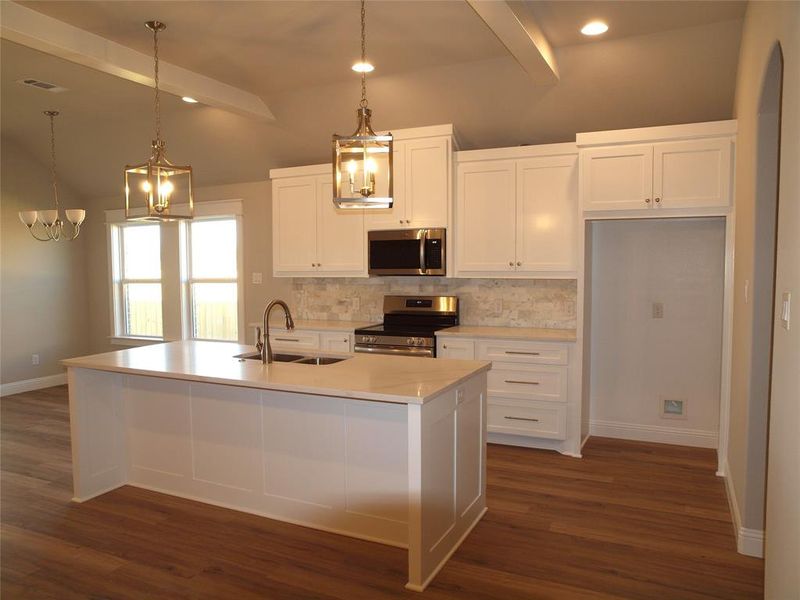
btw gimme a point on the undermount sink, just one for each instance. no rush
(320, 360)
(292, 358)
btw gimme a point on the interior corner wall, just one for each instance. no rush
(42, 284)
(767, 24)
(257, 233)
(639, 360)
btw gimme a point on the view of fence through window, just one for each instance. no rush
(141, 280)
(213, 279)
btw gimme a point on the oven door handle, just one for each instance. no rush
(396, 350)
(422, 260)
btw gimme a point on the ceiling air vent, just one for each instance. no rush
(42, 85)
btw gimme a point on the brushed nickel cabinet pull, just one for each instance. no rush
(277, 339)
(522, 419)
(521, 352)
(522, 382)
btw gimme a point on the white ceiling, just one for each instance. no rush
(437, 62)
(562, 20)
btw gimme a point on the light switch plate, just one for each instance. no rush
(256, 278)
(786, 310)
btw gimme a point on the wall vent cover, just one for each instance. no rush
(42, 85)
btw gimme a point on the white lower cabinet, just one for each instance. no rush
(530, 400)
(530, 418)
(336, 341)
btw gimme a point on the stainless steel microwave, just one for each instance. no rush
(407, 252)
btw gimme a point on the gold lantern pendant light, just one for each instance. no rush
(50, 220)
(362, 162)
(158, 190)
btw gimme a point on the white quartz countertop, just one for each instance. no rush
(510, 333)
(278, 323)
(399, 379)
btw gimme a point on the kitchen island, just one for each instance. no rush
(388, 449)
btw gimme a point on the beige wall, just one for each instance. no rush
(42, 285)
(766, 24)
(257, 223)
(638, 360)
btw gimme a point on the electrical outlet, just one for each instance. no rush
(34, 359)
(658, 310)
(256, 278)
(673, 408)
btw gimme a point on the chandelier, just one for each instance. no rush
(157, 190)
(362, 162)
(50, 220)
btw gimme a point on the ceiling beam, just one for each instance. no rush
(516, 28)
(40, 32)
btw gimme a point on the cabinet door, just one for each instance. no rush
(427, 182)
(547, 214)
(617, 178)
(395, 217)
(692, 174)
(294, 225)
(486, 218)
(336, 341)
(340, 235)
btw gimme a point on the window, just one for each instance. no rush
(209, 262)
(177, 280)
(136, 280)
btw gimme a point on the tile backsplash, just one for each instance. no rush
(548, 303)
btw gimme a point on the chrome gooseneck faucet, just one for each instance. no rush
(264, 346)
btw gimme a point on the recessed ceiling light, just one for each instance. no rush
(594, 28)
(363, 67)
(189, 99)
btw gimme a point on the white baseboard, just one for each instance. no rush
(28, 385)
(654, 433)
(749, 542)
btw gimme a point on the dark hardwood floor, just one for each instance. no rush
(629, 520)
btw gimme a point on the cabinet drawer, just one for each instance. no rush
(300, 340)
(449, 347)
(522, 352)
(528, 383)
(534, 419)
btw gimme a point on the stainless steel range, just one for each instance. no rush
(409, 325)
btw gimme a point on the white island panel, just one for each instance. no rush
(408, 474)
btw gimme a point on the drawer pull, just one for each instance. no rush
(521, 419)
(521, 352)
(522, 382)
(277, 339)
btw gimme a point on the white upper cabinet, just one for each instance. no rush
(310, 235)
(421, 186)
(517, 217)
(676, 170)
(693, 173)
(341, 248)
(617, 178)
(294, 225)
(486, 217)
(547, 214)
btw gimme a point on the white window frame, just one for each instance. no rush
(218, 212)
(117, 283)
(175, 320)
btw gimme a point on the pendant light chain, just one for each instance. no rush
(157, 95)
(363, 54)
(52, 116)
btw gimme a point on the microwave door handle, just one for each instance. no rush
(422, 261)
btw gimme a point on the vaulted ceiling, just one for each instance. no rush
(436, 62)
